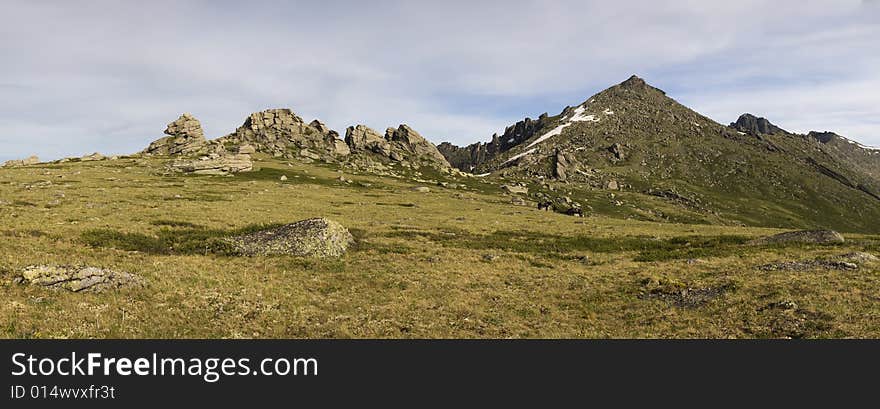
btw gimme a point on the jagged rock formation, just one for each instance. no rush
(185, 136)
(31, 160)
(401, 145)
(753, 125)
(633, 137)
(281, 133)
(317, 237)
(470, 157)
(78, 279)
(361, 139)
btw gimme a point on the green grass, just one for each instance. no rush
(190, 240)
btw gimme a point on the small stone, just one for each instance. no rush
(490, 257)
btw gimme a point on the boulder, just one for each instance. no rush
(215, 165)
(93, 157)
(30, 160)
(78, 279)
(317, 237)
(804, 236)
(859, 257)
(515, 189)
(185, 136)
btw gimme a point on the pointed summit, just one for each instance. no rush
(634, 82)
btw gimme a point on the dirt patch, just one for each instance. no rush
(784, 319)
(682, 295)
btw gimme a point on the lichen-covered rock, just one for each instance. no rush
(317, 237)
(78, 279)
(805, 236)
(185, 136)
(859, 257)
(215, 164)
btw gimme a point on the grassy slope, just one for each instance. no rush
(421, 269)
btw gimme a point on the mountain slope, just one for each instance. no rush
(633, 137)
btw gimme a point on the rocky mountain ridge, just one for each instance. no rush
(632, 137)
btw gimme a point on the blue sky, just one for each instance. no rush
(78, 77)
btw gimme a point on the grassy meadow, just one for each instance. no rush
(456, 262)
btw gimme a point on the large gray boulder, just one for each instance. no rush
(804, 236)
(215, 164)
(317, 237)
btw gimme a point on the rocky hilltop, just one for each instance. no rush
(753, 125)
(280, 133)
(633, 137)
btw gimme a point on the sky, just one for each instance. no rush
(107, 76)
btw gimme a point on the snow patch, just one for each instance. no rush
(576, 116)
(553, 132)
(515, 157)
(608, 112)
(482, 175)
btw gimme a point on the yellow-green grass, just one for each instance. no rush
(450, 263)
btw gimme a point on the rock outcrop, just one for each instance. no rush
(470, 157)
(282, 133)
(185, 136)
(78, 279)
(753, 125)
(361, 139)
(317, 237)
(31, 160)
(402, 145)
(215, 164)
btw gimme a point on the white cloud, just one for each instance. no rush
(102, 75)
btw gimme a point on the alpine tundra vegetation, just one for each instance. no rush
(626, 215)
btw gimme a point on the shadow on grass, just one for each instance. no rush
(188, 240)
(649, 248)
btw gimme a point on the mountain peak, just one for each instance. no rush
(634, 82)
(754, 125)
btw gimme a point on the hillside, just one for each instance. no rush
(633, 138)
